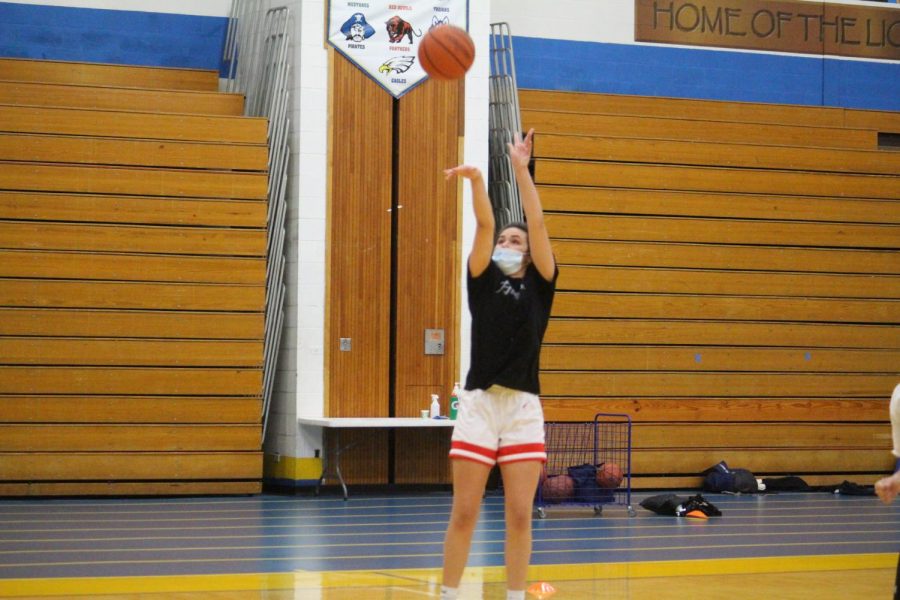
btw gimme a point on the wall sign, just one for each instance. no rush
(857, 30)
(382, 38)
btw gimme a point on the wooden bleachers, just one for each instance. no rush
(179, 154)
(132, 124)
(729, 277)
(132, 251)
(68, 73)
(720, 154)
(120, 98)
(159, 210)
(737, 112)
(718, 179)
(633, 201)
(549, 121)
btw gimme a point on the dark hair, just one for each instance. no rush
(514, 224)
(517, 224)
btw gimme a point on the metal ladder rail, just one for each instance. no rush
(256, 52)
(505, 122)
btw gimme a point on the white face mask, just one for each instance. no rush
(508, 260)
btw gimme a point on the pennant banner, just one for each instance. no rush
(383, 38)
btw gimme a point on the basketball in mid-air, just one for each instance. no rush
(446, 52)
(609, 475)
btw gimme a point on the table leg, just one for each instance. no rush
(324, 470)
(328, 456)
(337, 462)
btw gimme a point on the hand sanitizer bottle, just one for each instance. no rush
(435, 406)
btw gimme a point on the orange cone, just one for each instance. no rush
(541, 590)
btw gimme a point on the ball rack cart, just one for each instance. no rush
(606, 439)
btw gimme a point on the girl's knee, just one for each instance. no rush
(519, 518)
(464, 516)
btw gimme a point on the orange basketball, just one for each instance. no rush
(446, 52)
(609, 475)
(558, 488)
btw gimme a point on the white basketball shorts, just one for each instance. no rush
(498, 425)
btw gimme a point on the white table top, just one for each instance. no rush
(374, 422)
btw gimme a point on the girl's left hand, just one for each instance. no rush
(520, 151)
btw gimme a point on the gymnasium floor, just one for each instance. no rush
(300, 547)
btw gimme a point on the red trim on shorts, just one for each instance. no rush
(520, 449)
(486, 452)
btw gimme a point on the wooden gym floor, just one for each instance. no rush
(389, 546)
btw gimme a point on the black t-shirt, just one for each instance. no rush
(509, 318)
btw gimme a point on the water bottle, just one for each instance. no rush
(454, 401)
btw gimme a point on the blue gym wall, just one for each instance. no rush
(590, 46)
(709, 74)
(111, 36)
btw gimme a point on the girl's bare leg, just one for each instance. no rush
(520, 481)
(469, 479)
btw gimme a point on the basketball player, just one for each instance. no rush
(511, 283)
(888, 488)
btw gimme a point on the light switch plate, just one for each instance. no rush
(434, 341)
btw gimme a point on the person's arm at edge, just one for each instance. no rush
(888, 488)
(483, 244)
(538, 237)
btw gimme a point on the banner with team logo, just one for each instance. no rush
(382, 38)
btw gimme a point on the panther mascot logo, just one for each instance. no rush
(397, 28)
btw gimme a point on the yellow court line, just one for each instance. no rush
(73, 586)
(89, 586)
(722, 566)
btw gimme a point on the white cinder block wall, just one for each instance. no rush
(299, 384)
(208, 8)
(475, 148)
(582, 20)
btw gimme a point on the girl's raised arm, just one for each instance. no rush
(483, 245)
(538, 238)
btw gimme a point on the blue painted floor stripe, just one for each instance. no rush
(273, 534)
